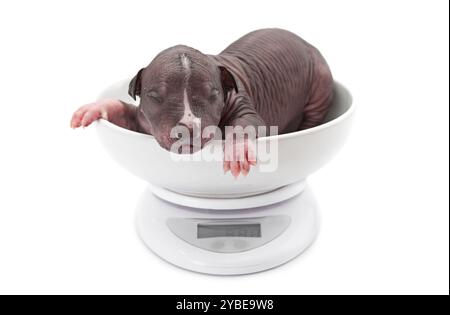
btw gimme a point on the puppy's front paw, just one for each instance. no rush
(86, 114)
(239, 156)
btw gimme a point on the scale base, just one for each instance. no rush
(298, 214)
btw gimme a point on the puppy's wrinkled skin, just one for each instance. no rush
(269, 77)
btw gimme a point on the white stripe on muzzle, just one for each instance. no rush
(189, 119)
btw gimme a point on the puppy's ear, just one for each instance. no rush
(228, 81)
(135, 85)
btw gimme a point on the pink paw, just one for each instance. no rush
(106, 109)
(86, 114)
(239, 156)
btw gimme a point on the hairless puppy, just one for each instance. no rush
(269, 77)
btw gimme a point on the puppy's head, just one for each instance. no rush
(182, 94)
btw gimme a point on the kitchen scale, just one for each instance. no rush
(228, 236)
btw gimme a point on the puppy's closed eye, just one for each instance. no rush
(154, 96)
(214, 94)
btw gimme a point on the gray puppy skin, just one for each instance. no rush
(269, 77)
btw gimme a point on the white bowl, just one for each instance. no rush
(300, 154)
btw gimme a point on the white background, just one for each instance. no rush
(67, 210)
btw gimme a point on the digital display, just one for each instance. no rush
(228, 230)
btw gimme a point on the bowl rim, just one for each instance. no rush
(345, 115)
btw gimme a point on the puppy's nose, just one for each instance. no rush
(179, 130)
(182, 129)
(193, 131)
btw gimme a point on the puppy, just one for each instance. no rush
(269, 77)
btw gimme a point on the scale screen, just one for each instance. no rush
(228, 230)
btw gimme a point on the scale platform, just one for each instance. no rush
(228, 236)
